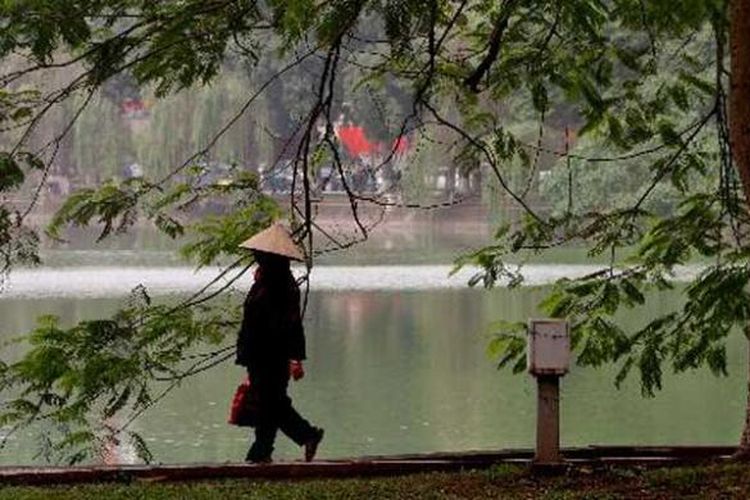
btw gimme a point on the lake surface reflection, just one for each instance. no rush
(393, 371)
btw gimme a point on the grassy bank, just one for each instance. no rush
(705, 481)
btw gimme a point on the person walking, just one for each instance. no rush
(271, 344)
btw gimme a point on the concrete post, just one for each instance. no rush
(548, 420)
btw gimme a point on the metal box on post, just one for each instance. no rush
(548, 351)
(548, 359)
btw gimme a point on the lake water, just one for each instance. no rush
(397, 363)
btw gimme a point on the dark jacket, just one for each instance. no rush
(271, 332)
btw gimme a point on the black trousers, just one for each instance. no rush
(276, 413)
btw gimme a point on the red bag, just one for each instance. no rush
(244, 409)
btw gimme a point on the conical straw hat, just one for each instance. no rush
(275, 239)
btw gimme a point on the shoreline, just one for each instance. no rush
(590, 456)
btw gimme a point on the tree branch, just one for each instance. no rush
(496, 38)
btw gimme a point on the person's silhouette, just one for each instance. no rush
(271, 344)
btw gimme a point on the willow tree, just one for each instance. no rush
(635, 76)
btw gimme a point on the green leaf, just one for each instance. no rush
(117, 402)
(705, 86)
(140, 447)
(623, 372)
(632, 292)
(11, 175)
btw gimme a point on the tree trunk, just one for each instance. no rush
(739, 96)
(739, 127)
(743, 450)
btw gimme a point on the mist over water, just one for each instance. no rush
(118, 281)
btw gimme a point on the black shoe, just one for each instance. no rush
(311, 446)
(256, 458)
